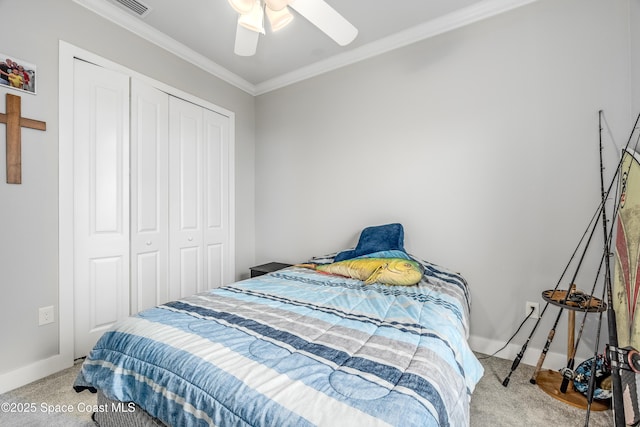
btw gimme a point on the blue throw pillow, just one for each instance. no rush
(387, 254)
(375, 239)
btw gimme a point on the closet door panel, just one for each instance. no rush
(215, 266)
(101, 202)
(190, 270)
(149, 196)
(185, 193)
(189, 143)
(105, 272)
(214, 175)
(216, 195)
(148, 272)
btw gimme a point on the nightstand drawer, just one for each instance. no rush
(270, 267)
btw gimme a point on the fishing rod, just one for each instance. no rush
(552, 332)
(550, 337)
(607, 272)
(618, 358)
(615, 355)
(518, 358)
(545, 349)
(586, 306)
(520, 355)
(592, 378)
(567, 372)
(562, 303)
(607, 236)
(616, 379)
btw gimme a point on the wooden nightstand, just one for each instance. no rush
(270, 267)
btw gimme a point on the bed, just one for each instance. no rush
(296, 347)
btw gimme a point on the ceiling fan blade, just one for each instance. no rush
(246, 41)
(323, 16)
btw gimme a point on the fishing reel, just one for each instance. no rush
(567, 373)
(579, 298)
(627, 358)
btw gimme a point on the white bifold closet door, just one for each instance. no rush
(180, 198)
(198, 198)
(152, 202)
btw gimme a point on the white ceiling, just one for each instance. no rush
(203, 32)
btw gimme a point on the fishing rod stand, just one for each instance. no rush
(571, 301)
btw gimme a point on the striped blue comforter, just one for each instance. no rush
(297, 348)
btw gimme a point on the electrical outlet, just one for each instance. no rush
(536, 309)
(45, 315)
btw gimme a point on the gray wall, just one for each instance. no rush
(482, 141)
(29, 214)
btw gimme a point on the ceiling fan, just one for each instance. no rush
(318, 12)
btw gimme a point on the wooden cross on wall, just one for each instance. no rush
(14, 145)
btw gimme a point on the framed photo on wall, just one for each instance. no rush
(17, 74)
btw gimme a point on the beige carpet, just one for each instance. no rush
(519, 404)
(56, 403)
(522, 403)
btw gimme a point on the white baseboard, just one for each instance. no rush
(33, 372)
(553, 361)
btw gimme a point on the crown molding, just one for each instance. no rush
(131, 23)
(451, 21)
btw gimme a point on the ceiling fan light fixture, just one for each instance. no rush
(276, 5)
(279, 18)
(242, 6)
(254, 20)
